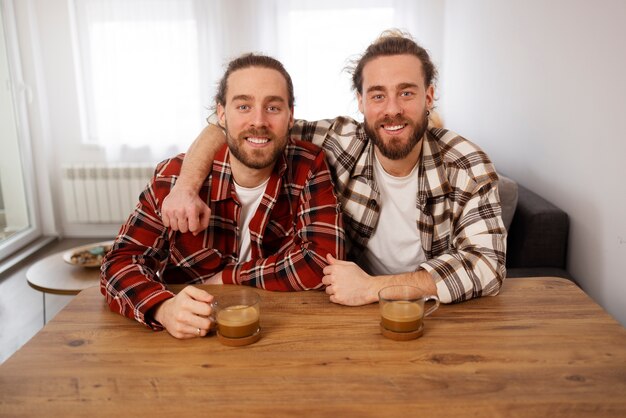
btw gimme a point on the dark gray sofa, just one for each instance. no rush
(537, 238)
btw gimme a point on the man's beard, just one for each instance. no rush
(395, 149)
(256, 158)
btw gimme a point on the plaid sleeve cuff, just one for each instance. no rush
(443, 292)
(146, 313)
(229, 274)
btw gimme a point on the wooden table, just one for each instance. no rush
(541, 348)
(53, 275)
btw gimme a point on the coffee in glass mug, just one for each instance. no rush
(402, 316)
(237, 321)
(237, 314)
(402, 311)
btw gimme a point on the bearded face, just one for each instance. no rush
(256, 148)
(396, 147)
(395, 102)
(257, 116)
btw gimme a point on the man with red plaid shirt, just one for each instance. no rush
(274, 215)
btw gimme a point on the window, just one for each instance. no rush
(19, 220)
(316, 43)
(141, 75)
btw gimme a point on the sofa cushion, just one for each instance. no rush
(538, 234)
(507, 189)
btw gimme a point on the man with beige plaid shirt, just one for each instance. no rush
(420, 204)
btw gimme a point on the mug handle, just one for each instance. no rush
(213, 315)
(432, 308)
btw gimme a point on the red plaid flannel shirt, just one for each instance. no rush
(297, 223)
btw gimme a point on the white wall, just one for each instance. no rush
(540, 86)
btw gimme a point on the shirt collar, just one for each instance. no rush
(364, 166)
(223, 183)
(432, 171)
(432, 177)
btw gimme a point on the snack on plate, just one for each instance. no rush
(90, 257)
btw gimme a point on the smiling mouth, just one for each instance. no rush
(393, 128)
(257, 140)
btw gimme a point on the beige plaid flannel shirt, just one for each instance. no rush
(460, 220)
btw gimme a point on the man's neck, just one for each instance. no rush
(249, 177)
(403, 167)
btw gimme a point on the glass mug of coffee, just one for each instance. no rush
(237, 314)
(402, 311)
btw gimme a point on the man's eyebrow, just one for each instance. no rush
(242, 97)
(274, 99)
(245, 97)
(403, 86)
(400, 86)
(375, 88)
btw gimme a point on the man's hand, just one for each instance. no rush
(183, 211)
(186, 315)
(348, 284)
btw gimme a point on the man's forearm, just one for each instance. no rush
(121, 271)
(420, 279)
(199, 158)
(348, 284)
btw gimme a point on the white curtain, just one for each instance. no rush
(145, 66)
(149, 66)
(316, 41)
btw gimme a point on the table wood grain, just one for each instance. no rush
(540, 348)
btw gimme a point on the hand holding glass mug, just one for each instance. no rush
(237, 314)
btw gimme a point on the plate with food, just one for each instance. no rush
(90, 255)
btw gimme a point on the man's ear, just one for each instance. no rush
(430, 97)
(359, 100)
(291, 119)
(221, 115)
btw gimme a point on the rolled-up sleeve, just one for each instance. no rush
(129, 277)
(474, 265)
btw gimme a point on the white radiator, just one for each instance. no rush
(103, 194)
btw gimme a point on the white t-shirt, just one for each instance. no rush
(395, 247)
(250, 198)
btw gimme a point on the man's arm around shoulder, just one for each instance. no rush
(182, 209)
